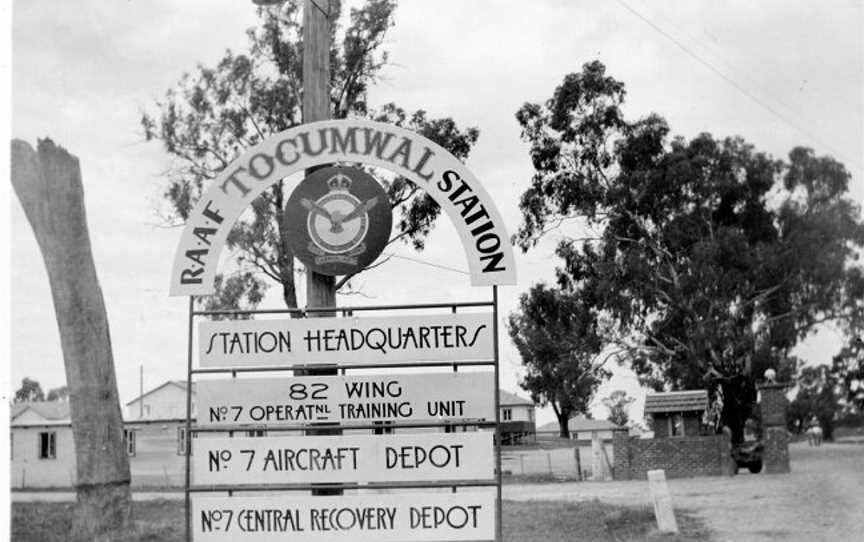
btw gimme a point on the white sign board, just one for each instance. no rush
(346, 399)
(344, 459)
(356, 518)
(447, 337)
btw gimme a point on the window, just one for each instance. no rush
(48, 445)
(530, 414)
(507, 414)
(256, 433)
(129, 440)
(181, 441)
(676, 425)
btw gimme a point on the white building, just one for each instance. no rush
(517, 418)
(43, 449)
(165, 402)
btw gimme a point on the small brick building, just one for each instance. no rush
(681, 446)
(677, 413)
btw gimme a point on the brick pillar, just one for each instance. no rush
(727, 464)
(621, 453)
(772, 406)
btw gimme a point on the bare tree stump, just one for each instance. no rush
(48, 184)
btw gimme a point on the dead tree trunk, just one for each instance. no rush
(48, 184)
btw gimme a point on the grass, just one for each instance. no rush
(155, 521)
(162, 521)
(591, 521)
(538, 478)
(546, 443)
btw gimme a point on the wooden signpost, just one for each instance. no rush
(433, 431)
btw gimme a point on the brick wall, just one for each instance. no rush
(679, 457)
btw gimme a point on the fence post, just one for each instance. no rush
(549, 462)
(576, 455)
(607, 465)
(596, 459)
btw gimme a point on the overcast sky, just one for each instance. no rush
(779, 73)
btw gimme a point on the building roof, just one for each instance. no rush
(505, 398)
(50, 410)
(179, 383)
(676, 401)
(15, 409)
(581, 424)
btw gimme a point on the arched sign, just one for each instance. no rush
(439, 173)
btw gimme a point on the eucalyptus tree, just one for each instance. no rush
(216, 112)
(713, 258)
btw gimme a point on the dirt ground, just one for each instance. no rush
(821, 499)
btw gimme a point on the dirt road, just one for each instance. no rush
(822, 499)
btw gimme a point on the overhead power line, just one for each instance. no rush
(740, 88)
(430, 264)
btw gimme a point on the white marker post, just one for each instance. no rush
(662, 500)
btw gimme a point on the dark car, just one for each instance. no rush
(749, 456)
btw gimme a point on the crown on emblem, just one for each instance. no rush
(339, 182)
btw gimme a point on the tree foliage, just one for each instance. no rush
(216, 112)
(817, 397)
(29, 391)
(618, 404)
(58, 394)
(848, 368)
(713, 259)
(558, 338)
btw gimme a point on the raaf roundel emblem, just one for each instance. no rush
(338, 220)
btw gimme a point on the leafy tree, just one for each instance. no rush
(618, 404)
(215, 113)
(58, 394)
(848, 369)
(29, 391)
(816, 397)
(712, 258)
(557, 336)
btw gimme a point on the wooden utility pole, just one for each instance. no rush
(48, 184)
(320, 289)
